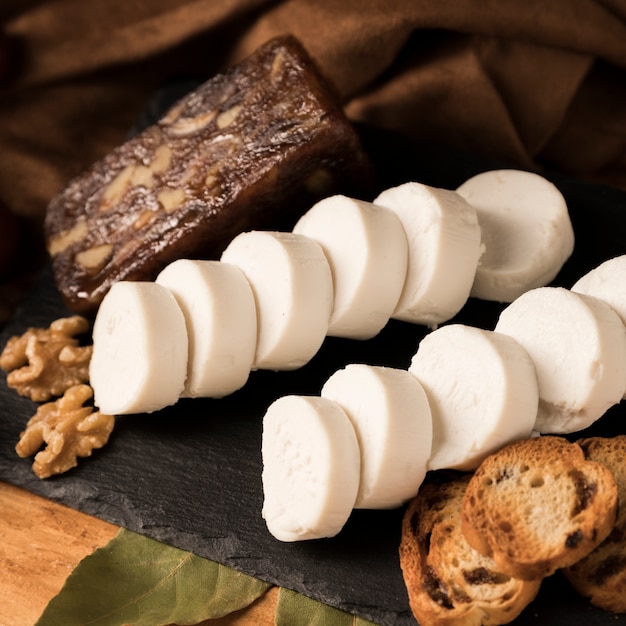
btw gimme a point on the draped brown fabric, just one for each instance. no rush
(539, 84)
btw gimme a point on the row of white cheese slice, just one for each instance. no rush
(555, 363)
(414, 254)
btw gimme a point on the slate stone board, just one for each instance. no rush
(190, 475)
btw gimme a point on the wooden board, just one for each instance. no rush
(40, 544)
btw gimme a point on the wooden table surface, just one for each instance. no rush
(40, 544)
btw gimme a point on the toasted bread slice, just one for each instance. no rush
(601, 576)
(448, 582)
(538, 505)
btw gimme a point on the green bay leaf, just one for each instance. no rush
(138, 581)
(294, 609)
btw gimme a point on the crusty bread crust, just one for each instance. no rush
(538, 505)
(601, 576)
(448, 582)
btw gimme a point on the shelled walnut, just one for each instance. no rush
(69, 430)
(43, 363)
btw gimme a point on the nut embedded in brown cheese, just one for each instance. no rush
(251, 148)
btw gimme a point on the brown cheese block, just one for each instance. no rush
(251, 148)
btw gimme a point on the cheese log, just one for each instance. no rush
(391, 417)
(526, 230)
(482, 390)
(220, 317)
(578, 346)
(444, 248)
(293, 291)
(139, 359)
(253, 147)
(310, 470)
(367, 251)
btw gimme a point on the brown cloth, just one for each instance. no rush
(539, 84)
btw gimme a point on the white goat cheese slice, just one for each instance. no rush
(444, 248)
(526, 230)
(366, 248)
(607, 281)
(140, 349)
(482, 390)
(392, 420)
(578, 346)
(220, 316)
(293, 291)
(310, 470)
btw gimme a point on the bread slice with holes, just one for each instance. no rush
(448, 582)
(538, 505)
(601, 575)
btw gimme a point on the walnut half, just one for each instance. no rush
(43, 363)
(69, 430)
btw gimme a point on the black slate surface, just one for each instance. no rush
(190, 475)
